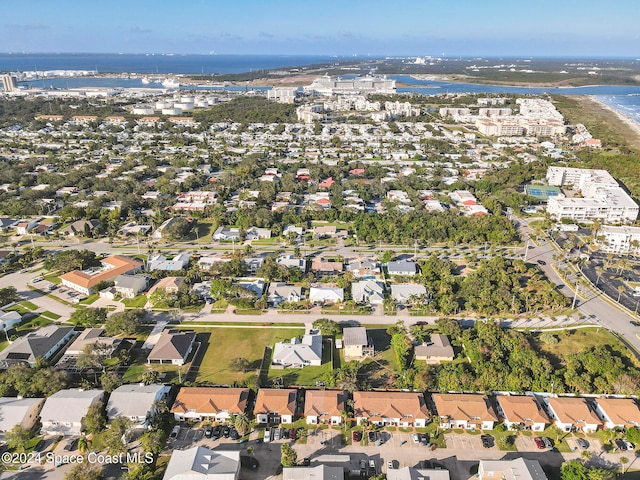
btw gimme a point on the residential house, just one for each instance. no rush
(401, 409)
(317, 472)
(522, 412)
(80, 228)
(43, 343)
(253, 264)
(325, 232)
(275, 405)
(572, 414)
(256, 286)
(324, 406)
(127, 286)
(281, 292)
(201, 463)
(321, 267)
(92, 336)
(64, 411)
(7, 223)
(412, 473)
(9, 319)
(404, 268)
(437, 349)
(169, 285)
(290, 261)
(217, 404)
(86, 281)
(19, 411)
(292, 229)
(137, 402)
(471, 412)
(364, 268)
(406, 292)
(159, 233)
(516, 469)
(160, 262)
(326, 295)
(226, 233)
(368, 291)
(173, 346)
(299, 353)
(620, 413)
(255, 233)
(356, 343)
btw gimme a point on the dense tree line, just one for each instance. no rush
(506, 359)
(31, 382)
(247, 110)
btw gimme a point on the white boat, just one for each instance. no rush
(146, 80)
(170, 83)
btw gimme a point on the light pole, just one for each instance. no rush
(575, 296)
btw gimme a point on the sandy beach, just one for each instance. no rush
(630, 122)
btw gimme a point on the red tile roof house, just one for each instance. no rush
(572, 414)
(218, 404)
(522, 412)
(466, 411)
(402, 409)
(324, 406)
(86, 281)
(275, 405)
(618, 412)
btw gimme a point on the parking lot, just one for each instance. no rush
(467, 442)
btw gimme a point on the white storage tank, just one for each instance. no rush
(171, 111)
(143, 110)
(184, 106)
(187, 99)
(162, 104)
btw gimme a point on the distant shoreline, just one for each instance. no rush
(629, 121)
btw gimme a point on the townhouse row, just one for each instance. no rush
(411, 409)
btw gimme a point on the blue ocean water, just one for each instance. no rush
(628, 105)
(160, 64)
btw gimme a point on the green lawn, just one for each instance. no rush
(50, 315)
(53, 279)
(90, 299)
(38, 322)
(136, 302)
(303, 376)
(29, 305)
(221, 345)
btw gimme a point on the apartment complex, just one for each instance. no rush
(602, 198)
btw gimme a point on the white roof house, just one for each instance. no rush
(517, 469)
(403, 292)
(63, 411)
(330, 295)
(299, 353)
(9, 319)
(200, 463)
(281, 292)
(368, 291)
(410, 473)
(18, 411)
(160, 262)
(402, 268)
(135, 401)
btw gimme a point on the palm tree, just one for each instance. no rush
(242, 423)
(621, 288)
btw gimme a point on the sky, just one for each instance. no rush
(587, 28)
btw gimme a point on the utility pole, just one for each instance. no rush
(575, 296)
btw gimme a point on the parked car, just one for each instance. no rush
(487, 440)
(548, 443)
(276, 434)
(293, 434)
(542, 262)
(629, 445)
(267, 435)
(582, 443)
(284, 433)
(208, 432)
(424, 438)
(539, 442)
(416, 438)
(39, 446)
(216, 431)
(226, 431)
(233, 435)
(363, 465)
(174, 433)
(621, 444)
(356, 436)
(71, 445)
(373, 436)
(372, 467)
(390, 465)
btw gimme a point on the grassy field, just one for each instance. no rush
(135, 302)
(221, 345)
(575, 341)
